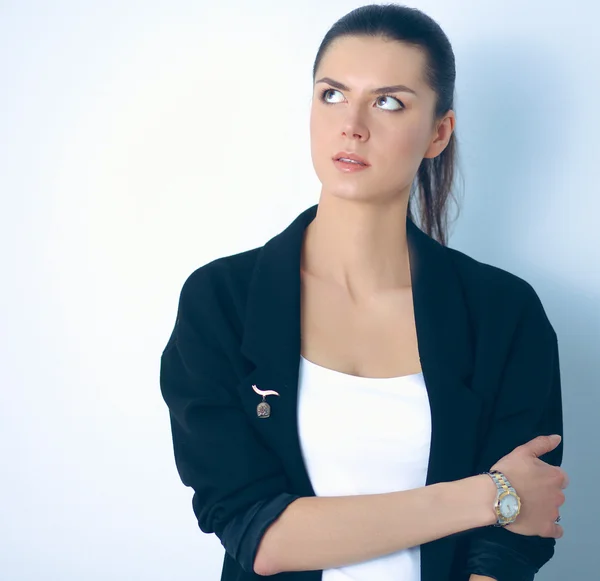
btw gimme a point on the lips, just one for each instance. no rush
(352, 156)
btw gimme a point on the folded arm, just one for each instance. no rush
(528, 405)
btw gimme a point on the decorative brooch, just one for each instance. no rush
(263, 409)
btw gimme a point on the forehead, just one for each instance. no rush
(358, 60)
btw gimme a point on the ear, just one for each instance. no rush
(441, 137)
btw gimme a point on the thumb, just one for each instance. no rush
(542, 444)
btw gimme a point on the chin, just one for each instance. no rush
(351, 192)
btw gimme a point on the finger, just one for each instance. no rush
(565, 481)
(542, 444)
(558, 532)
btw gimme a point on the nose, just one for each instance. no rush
(355, 129)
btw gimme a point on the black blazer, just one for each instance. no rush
(489, 357)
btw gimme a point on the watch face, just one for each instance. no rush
(509, 506)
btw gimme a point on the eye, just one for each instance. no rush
(384, 98)
(387, 97)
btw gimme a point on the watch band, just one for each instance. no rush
(501, 481)
(503, 485)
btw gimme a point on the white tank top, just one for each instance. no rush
(365, 436)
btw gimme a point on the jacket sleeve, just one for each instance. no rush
(528, 404)
(239, 486)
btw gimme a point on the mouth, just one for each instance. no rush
(348, 165)
(351, 161)
(350, 158)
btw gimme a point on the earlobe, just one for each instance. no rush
(435, 148)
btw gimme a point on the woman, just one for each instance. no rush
(400, 374)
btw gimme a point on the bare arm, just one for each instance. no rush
(326, 532)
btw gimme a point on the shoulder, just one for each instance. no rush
(212, 302)
(497, 292)
(220, 285)
(481, 276)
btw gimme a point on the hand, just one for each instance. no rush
(538, 484)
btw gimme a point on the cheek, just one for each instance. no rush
(318, 123)
(320, 133)
(409, 140)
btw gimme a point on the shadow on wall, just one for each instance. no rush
(519, 122)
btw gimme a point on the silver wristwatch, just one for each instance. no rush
(508, 503)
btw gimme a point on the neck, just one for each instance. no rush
(359, 246)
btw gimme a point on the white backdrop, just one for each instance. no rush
(139, 140)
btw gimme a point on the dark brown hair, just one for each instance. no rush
(435, 177)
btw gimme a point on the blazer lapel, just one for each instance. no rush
(271, 341)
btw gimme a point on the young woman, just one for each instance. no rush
(355, 399)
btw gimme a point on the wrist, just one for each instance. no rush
(508, 503)
(484, 497)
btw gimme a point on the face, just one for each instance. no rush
(392, 131)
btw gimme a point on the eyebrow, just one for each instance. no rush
(389, 89)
